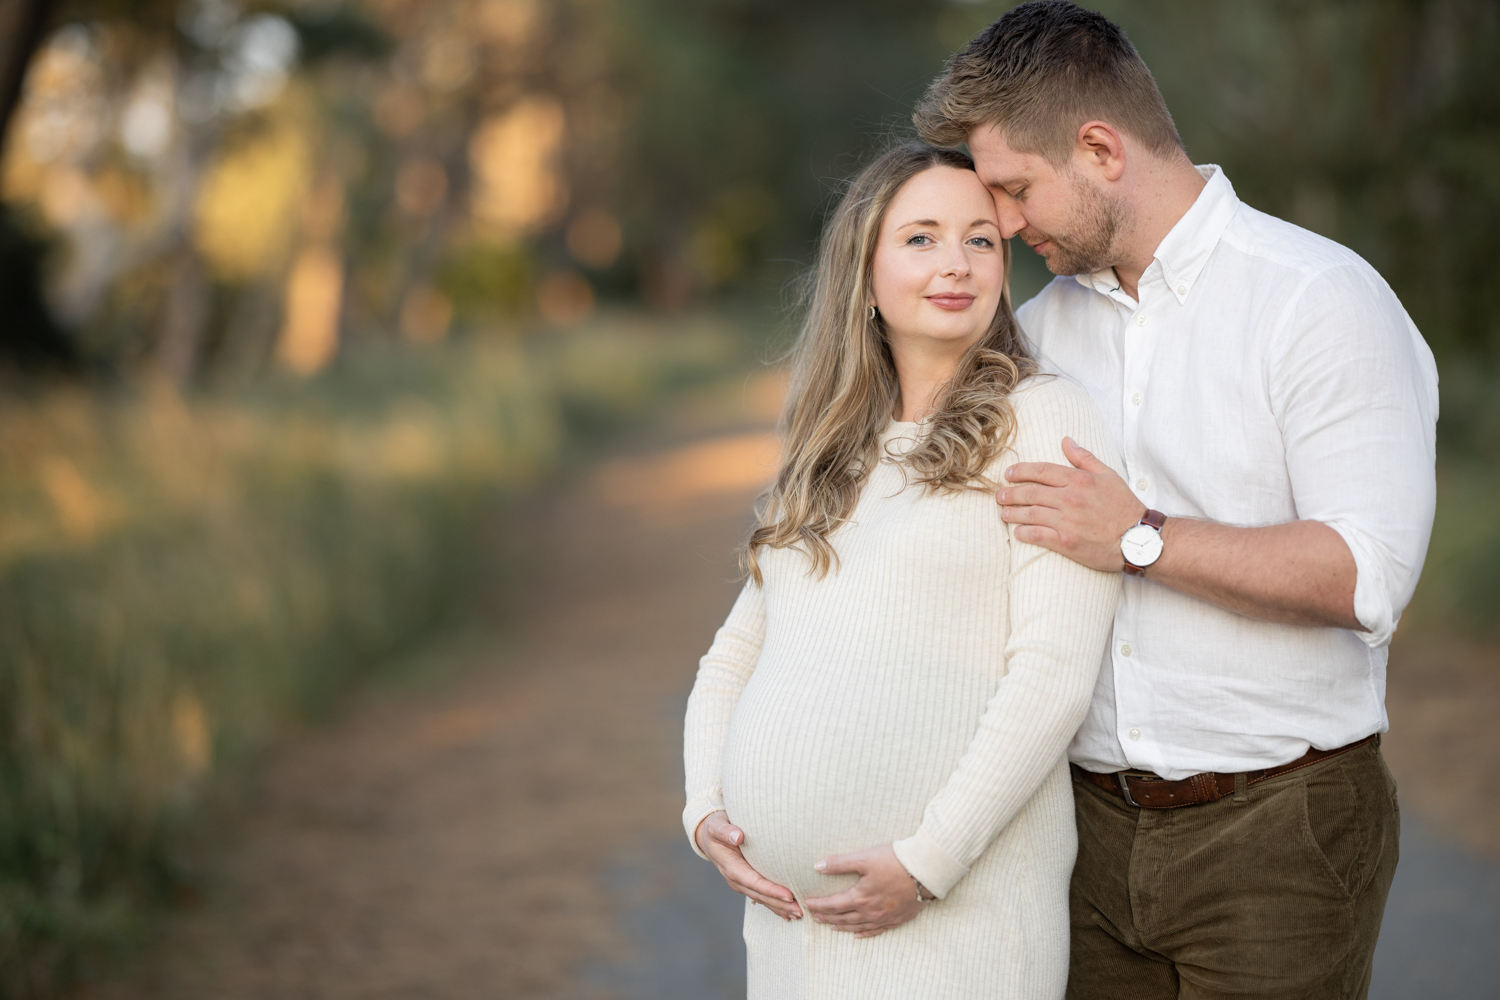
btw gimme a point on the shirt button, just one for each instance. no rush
(1136, 399)
(1182, 289)
(1125, 650)
(1140, 484)
(1135, 734)
(1140, 319)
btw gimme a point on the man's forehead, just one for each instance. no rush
(996, 161)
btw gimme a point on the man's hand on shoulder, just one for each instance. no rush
(1078, 510)
(1298, 573)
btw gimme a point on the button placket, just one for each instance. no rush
(1137, 347)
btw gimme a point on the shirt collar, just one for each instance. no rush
(1190, 242)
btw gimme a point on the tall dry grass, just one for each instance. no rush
(179, 578)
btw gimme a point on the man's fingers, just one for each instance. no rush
(1045, 473)
(1081, 457)
(1036, 534)
(1026, 495)
(1046, 517)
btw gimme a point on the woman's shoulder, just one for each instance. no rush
(1051, 407)
(1053, 394)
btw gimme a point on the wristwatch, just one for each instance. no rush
(1141, 544)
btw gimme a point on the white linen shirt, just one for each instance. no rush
(1266, 375)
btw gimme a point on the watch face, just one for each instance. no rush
(1141, 545)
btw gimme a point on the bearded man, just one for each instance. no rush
(1276, 409)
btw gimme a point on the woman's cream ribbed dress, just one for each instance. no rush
(924, 694)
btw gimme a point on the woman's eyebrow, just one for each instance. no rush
(935, 223)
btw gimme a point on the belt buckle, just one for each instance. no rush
(1125, 788)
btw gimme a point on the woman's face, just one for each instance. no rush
(938, 269)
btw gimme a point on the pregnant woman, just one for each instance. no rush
(875, 742)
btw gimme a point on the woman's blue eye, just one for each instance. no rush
(921, 239)
(983, 241)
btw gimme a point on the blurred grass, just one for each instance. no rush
(1459, 594)
(182, 578)
(1458, 597)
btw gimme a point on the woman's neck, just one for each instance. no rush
(922, 369)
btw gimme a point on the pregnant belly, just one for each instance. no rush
(813, 769)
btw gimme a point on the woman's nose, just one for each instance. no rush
(955, 263)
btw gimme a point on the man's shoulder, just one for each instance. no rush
(1054, 302)
(1286, 245)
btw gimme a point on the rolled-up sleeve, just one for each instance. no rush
(1354, 389)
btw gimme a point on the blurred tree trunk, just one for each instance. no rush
(178, 353)
(22, 25)
(186, 316)
(30, 336)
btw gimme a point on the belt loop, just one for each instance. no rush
(1241, 779)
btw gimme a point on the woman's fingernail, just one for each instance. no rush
(1005, 496)
(1010, 472)
(820, 866)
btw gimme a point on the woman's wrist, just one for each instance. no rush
(924, 894)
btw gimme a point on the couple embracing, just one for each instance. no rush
(1060, 665)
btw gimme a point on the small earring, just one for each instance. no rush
(872, 311)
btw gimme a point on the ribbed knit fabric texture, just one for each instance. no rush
(923, 694)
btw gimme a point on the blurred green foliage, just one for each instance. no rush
(183, 578)
(713, 136)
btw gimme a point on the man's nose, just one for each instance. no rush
(1010, 219)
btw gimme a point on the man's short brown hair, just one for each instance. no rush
(1040, 72)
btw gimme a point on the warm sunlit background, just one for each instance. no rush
(295, 294)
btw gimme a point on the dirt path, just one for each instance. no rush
(512, 832)
(477, 841)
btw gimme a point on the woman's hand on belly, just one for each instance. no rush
(884, 897)
(721, 840)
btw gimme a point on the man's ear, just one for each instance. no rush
(1102, 149)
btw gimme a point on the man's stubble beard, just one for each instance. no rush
(1090, 244)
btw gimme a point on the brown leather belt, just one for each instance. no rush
(1148, 791)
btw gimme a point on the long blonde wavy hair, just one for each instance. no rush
(844, 389)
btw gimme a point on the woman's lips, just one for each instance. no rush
(953, 302)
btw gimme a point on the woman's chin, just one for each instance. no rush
(958, 333)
